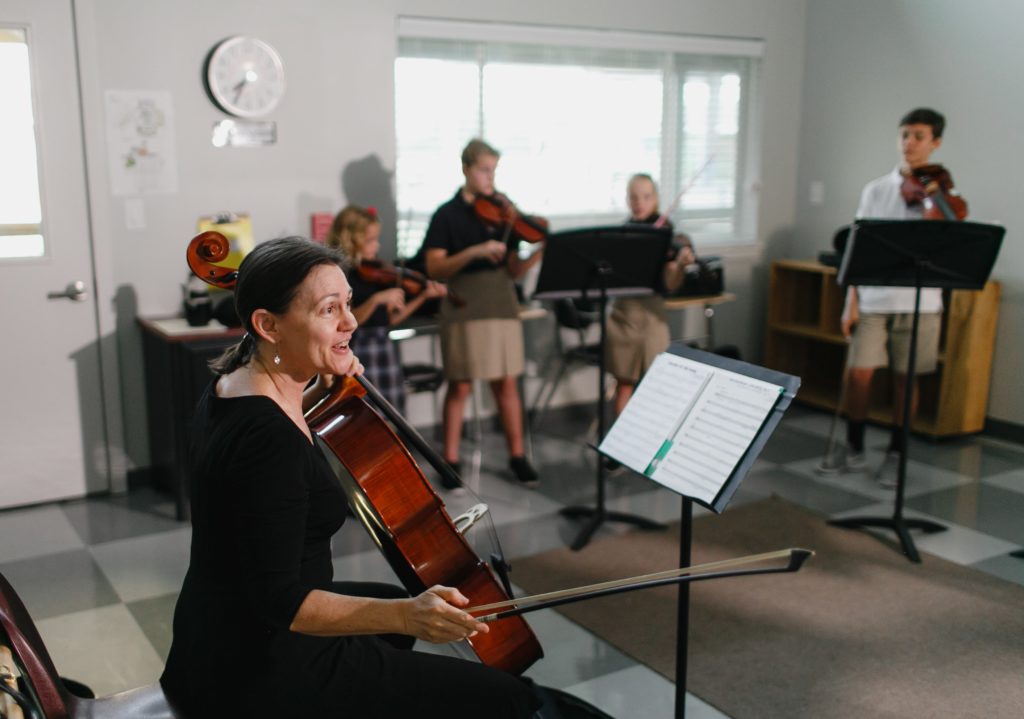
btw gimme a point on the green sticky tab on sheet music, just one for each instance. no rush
(665, 447)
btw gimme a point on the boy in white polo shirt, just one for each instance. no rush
(880, 318)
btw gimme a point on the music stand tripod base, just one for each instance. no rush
(596, 516)
(900, 525)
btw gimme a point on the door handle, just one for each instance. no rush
(75, 291)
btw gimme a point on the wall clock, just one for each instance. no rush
(244, 76)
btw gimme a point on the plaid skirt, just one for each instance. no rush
(381, 363)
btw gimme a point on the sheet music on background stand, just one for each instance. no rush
(696, 424)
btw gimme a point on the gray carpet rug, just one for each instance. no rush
(858, 632)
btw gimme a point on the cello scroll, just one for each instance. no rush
(206, 249)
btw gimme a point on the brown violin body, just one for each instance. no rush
(931, 187)
(407, 520)
(380, 273)
(498, 211)
(204, 250)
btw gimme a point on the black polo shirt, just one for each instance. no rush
(455, 226)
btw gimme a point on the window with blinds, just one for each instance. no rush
(20, 209)
(575, 114)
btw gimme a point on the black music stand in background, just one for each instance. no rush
(918, 254)
(598, 263)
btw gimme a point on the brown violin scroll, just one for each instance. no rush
(203, 251)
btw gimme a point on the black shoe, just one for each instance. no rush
(526, 474)
(453, 483)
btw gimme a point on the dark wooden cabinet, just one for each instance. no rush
(177, 373)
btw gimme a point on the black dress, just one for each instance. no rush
(264, 508)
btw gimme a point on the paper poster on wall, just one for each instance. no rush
(140, 142)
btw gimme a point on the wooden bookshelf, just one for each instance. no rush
(804, 338)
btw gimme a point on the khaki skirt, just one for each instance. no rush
(637, 333)
(483, 339)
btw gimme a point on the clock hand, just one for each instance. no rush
(250, 76)
(240, 86)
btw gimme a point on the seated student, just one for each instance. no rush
(356, 232)
(261, 627)
(637, 330)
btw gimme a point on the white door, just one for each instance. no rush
(52, 435)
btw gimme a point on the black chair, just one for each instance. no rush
(576, 316)
(45, 695)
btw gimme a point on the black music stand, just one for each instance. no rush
(598, 263)
(788, 386)
(918, 254)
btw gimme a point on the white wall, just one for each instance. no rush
(338, 110)
(869, 62)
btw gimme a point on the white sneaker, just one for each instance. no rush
(854, 459)
(887, 473)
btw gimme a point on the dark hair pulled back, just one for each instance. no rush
(268, 279)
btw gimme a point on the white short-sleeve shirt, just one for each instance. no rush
(882, 200)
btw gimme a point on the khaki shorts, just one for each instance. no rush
(879, 337)
(482, 349)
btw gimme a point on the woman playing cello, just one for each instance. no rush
(261, 627)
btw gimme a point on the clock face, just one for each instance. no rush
(244, 76)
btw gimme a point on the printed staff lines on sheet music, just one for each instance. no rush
(728, 434)
(725, 416)
(645, 425)
(706, 481)
(732, 402)
(704, 456)
(625, 438)
(714, 440)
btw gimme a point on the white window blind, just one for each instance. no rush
(20, 208)
(575, 114)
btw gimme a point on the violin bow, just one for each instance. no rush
(660, 222)
(710, 570)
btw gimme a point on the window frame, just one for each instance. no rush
(673, 49)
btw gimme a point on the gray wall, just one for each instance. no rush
(867, 63)
(339, 110)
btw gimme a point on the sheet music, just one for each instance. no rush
(716, 434)
(688, 425)
(654, 412)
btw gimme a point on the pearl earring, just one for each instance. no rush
(277, 359)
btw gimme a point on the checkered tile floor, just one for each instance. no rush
(100, 576)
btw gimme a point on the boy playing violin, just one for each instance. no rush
(484, 338)
(878, 320)
(356, 232)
